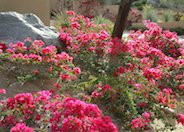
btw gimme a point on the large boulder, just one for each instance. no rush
(17, 27)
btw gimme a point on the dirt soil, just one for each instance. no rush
(8, 81)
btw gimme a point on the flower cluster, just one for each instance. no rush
(101, 90)
(2, 91)
(21, 127)
(59, 65)
(141, 122)
(79, 116)
(63, 115)
(166, 98)
(166, 41)
(180, 119)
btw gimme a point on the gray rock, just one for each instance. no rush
(17, 27)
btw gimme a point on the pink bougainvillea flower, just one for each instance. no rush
(142, 104)
(77, 70)
(166, 97)
(146, 117)
(75, 25)
(138, 86)
(49, 50)
(2, 91)
(71, 13)
(137, 123)
(3, 46)
(181, 87)
(155, 73)
(28, 39)
(96, 94)
(43, 95)
(36, 72)
(180, 118)
(106, 88)
(141, 122)
(19, 46)
(21, 127)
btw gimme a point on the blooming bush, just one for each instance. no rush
(45, 111)
(141, 122)
(37, 61)
(128, 77)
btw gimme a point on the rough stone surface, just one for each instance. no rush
(17, 27)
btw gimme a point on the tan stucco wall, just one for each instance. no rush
(39, 7)
(56, 5)
(108, 11)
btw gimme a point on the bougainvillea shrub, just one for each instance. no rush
(47, 111)
(135, 81)
(142, 74)
(38, 62)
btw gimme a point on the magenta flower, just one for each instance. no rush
(21, 127)
(180, 119)
(2, 91)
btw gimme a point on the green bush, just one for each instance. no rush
(173, 4)
(61, 19)
(149, 13)
(168, 16)
(179, 31)
(139, 4)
